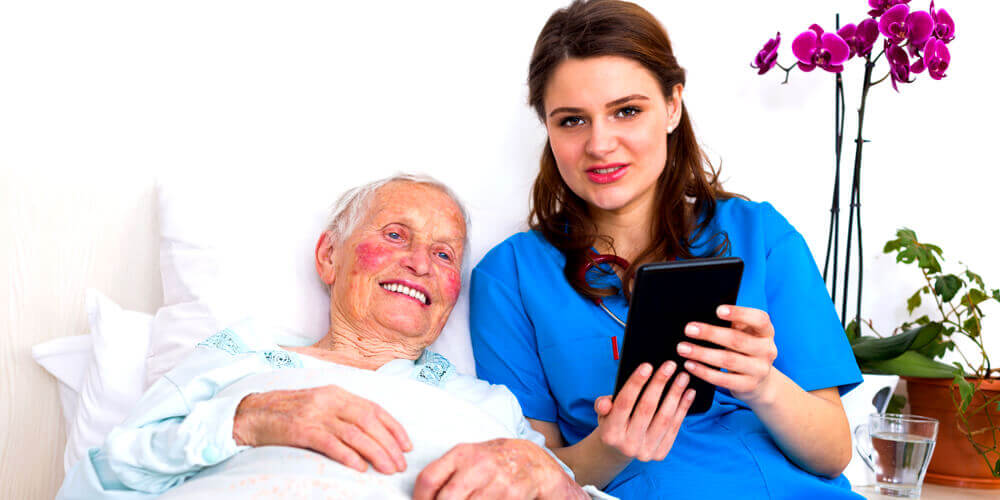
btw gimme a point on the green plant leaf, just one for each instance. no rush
(974, 297)
(923, 320)
(965, 389)
(972, 326)
(906, 235)
(852, 331)
(996, 295)
(913, 302)
(896, 404)
(910, 364)
(892, 245)
(977, 279)
(935, 350)
(947, 286)
(877, 349)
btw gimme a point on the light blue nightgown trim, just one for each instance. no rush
(436, 369)
(225, 340)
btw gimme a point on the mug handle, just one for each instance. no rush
(862, 443)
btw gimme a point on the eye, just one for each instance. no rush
(394, 235)
(571, 121)
(444, 256)
(627, 112)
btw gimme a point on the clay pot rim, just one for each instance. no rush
(989, 384)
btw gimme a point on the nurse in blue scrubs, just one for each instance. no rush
(622, 175)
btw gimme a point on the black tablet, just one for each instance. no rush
(666, 297)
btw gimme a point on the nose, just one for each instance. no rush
(418, 260)
(602, 139)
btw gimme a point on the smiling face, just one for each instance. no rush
(608, 121)
(398, 275)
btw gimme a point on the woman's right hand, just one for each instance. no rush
(646, 433)
(347, 428)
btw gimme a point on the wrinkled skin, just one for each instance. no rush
(497, 469)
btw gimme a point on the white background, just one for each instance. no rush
(99, 98)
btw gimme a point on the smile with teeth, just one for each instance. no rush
(607, 170)
(405, 290)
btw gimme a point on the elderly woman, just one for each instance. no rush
(244, 415)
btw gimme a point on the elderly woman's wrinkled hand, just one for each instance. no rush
(501, 468)
(349, 429)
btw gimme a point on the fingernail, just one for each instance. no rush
(723, 311)
(682, 378)
(683, 348)
(668, 367)
(645, 370)
(689, 366)
(692, 330)
(690, 395)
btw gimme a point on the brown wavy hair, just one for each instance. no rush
(686, 191)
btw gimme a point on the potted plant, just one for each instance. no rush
(964, 397)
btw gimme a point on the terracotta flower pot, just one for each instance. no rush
(955, 462)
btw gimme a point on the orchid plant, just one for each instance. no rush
(913, 41)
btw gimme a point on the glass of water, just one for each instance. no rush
(898, 449)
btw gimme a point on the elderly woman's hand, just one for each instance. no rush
(501, 468)
(349, 429)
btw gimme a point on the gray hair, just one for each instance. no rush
(351, 207)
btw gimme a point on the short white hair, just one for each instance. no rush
(352, 206)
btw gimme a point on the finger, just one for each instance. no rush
(650, 399)
(371, 422)
(733, 381)
(433, 477)
(675, 425)
(748, 319)
(603, 405)
(668, 409)
(626, 398)
(719, 358)
(464, 481)
(365, 446)
(323, 442)
(395, 428)
(730, 338)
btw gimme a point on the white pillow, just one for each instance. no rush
(229, 250)
(114, 380)
(67, 359)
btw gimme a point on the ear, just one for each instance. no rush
(325, 262)
(675, 107)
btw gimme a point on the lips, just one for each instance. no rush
(604, 174)
(411, 290)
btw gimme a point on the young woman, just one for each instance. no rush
(622, 174)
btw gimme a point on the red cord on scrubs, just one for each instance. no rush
(599, 259)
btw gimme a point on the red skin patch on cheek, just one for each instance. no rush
(371, 256)
(452, 285)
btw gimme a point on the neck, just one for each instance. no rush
(348, 345)
(630, 227)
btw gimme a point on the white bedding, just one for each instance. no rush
(435, 421)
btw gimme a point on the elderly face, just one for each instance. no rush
(399, 274)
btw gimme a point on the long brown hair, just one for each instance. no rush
(686, 191)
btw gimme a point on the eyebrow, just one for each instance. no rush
(616, 102)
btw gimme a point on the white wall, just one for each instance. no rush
(97, 98)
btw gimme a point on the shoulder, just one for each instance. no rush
(752, 219)
(250, 337)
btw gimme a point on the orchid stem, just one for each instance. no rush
(880, 80)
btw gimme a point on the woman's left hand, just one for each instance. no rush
(748, 355)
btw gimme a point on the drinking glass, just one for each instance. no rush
(898, 450)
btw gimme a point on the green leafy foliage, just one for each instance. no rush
(913, 302)
(896, 404)
(965, 390)
(852, 330)
(947, 286)
(974, 297)
(878, 349)
(908, 364)
(972, 326)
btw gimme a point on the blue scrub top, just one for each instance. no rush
(553, 348)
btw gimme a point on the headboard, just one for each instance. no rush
(61, 234)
